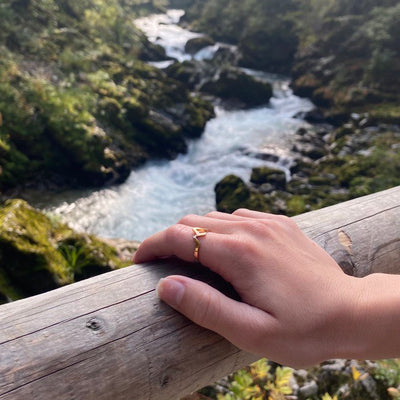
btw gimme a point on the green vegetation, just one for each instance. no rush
(333, 380)
(38, 253)
(342, 54)
(77, 104)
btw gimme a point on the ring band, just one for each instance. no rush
(198, 233)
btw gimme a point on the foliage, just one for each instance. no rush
(388, 373)
(38, 254)
(75, 98)
(259, 382)
(348, 49)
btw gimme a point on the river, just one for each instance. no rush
(160, 192)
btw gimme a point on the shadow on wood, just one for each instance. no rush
(109, 337)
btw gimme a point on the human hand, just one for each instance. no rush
(298, 307)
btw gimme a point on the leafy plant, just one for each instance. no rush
(259, 382)
(74, 256)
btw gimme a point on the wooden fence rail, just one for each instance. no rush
(109, 337)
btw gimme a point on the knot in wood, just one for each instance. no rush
(94, 324)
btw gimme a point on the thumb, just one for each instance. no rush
(243, 325)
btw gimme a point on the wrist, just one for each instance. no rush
(373, 318)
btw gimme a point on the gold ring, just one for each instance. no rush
(198, 233)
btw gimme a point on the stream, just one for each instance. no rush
(160, 192)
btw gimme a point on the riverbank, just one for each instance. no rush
(79, 104)
(342, 56)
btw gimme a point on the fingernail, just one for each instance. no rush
(171, 291)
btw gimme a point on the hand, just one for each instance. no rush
(298, 307)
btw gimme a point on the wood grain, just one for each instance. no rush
(109, 337)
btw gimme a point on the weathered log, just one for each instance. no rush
(109, 337)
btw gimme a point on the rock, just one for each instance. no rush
(194, 45)
(125, 248)
(38, 254)
(3, 298)
(235, 85)
(28, 250)
(315, 116)
(309, 150)
(275, 177)
(336, 365)
(232, 193)
(307, 390)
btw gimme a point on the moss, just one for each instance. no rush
(38, 253)
(232, 193)
(198, 113)
(88, 256)
(385, 113)
(275, 177)
(28, 251)
(296, 205)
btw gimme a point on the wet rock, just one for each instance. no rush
(233, 84)
(265, 175)
(232, 193)
(194, 45)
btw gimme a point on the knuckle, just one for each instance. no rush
(240, 211)
(207, 310)
(175, 232)
(285, 220)
(259, 227)
(212, 214)
(186, 220)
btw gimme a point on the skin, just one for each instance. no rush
(298, 307)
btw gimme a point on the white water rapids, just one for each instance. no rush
(159, 193)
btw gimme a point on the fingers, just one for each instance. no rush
(245, 326)
(215, 250)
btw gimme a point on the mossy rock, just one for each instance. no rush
(232, 193)
(194, 45)
(38, 253)
(28, 250)
(275, 177)
(296, 205)
(235, 85)
(88, 256)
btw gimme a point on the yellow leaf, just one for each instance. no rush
(356, 373)
(282, 380)
(260, 369)
(327, 396)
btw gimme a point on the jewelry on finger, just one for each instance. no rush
(198, 233)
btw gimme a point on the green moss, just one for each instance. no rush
(28, 251)
(296, 205)
(385, 113)
(275, 177)
(38, 253)
(232, 193)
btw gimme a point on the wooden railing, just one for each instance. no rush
(110, 338)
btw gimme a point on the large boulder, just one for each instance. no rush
(272, 176)
(235, 85)
(38, 253)
(194, 45)
(232, 193)
(28, 250)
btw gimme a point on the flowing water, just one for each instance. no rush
(159, 193)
